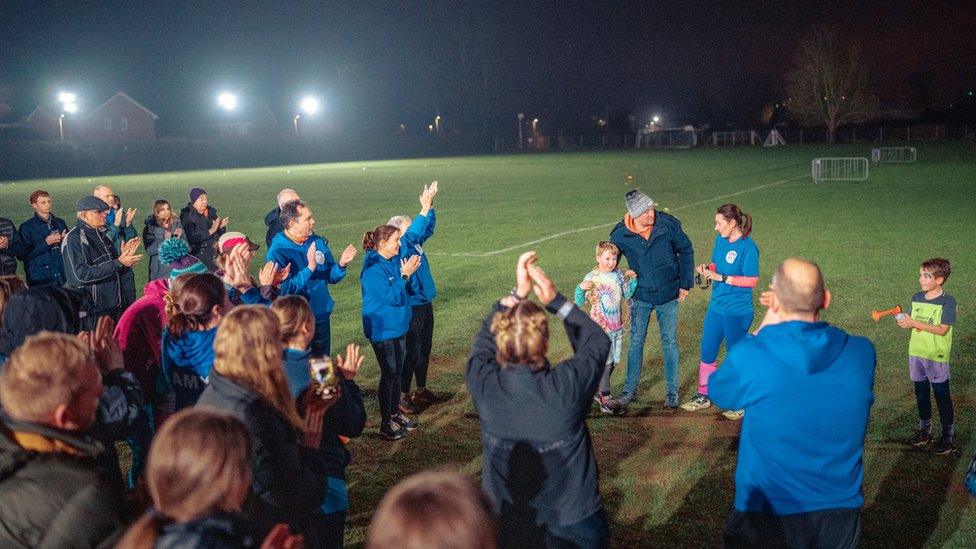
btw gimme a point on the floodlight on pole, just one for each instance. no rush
(437, 124)
(656, 119)
(66, 97)
(227, 101)
(309, 105)
(70, 107)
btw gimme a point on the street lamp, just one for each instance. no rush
(521, 116)
(227, 101)
(309, 105)
(535, 124)
(437, 124)
(68, 105)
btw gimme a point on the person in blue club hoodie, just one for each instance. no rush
(386, 319)
(313, 267)
(807, 389)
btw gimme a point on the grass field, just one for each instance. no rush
(666, 479)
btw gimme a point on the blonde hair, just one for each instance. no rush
(248, 350)
(198, 463)
(293, 314)
(169, 298)
(521, 335)
(607, 246)
(46, 371)
(433, 510)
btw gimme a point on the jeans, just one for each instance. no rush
(592, 532)
(390, 354)
(322, 340)
(830, 528)
(667, 321)
(419, 338)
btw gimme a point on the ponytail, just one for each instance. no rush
(368, 241)
(372, 239)
(193, 304)
(746, 224)
(144, 533)
(743, 221)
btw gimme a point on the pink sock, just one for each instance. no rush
(704, 371)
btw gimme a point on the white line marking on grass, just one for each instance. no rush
(606, 225)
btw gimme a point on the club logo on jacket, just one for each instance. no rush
(320, 257)
(730, 257)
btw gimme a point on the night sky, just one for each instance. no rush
(386, 62)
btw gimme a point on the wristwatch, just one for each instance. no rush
(514, 293)
(725, 278)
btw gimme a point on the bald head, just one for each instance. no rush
(286, 196)
(105, 193)
(799, 286)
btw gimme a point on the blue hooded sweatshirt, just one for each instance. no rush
(386, 307)
(807, 389)
(312, 285)
(420, 287)
(186, 365)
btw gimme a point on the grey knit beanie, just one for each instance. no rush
(637, 202)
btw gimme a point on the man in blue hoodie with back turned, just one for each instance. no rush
(798, 479)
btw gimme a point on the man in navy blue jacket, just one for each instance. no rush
(659, 251)
(42, 235)
(806, 388)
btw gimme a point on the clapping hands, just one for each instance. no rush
(128, 256)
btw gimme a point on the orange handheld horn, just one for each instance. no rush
(878, 315)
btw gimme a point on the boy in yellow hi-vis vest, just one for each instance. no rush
(933, 313)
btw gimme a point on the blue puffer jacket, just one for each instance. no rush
(43, 263)
(664, 263)
(420, 287)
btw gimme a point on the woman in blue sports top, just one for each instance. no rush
(733, 273)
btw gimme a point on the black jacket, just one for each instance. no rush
(51, 308)
(16, 249)
(274, 225)
(91, 264)
(217, 531)
(538, 459)
(153, 237)
(289, 478)
(42, 262)
(196, 227)
(55, 499)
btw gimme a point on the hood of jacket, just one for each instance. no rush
(810, 346)
(194, 348)
(13, 456)
(272, 217)
(51, 308)
(217, 530)
(156, 288)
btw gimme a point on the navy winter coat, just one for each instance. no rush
(43, 263)
(664, 263)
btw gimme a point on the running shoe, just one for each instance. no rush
(406, 422)
(946, 445)
(734, 415)
(700, 402)
(921, 437)
(392, 430)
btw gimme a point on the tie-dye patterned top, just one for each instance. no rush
(606, 297)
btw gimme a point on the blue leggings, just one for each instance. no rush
(716, 327)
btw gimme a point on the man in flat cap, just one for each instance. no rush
(91, 263)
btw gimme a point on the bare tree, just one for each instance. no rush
(829, 85)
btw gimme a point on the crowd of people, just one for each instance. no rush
(211, 411)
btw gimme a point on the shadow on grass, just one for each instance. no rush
(908, 507)
(692, 524)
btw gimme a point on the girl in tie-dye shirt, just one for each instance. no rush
(606, 288)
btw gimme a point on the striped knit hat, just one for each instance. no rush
(175, 253)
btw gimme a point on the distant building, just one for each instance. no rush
(42, 125)
(121, 118)
(4, 111)
(245, 124)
